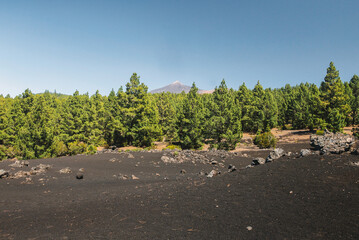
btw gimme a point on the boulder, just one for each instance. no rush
(277, 153)
(305, 152)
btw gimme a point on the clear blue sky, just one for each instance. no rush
(90, 45)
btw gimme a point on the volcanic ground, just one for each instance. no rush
(138, 196)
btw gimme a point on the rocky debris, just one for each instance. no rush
(183, 171)
(277, 153)
(65, 170)
(121, 176)
(41, 168)
(79, 175)
(205, 157)
(213, 173)
(231, 168)
(28, 180)
(21, 174)
(305, 152)
(111, 149)
(112, 160)
(258, 161)
(332, 142)
(249, 228)
(82, 170)
(201, 173)
(130, 155)
(19, 164)
(3, 173)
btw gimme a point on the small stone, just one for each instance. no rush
(65, 170)
(183, 171)
(214, 162)
(82, 170)
(134, 177)
(212, 173)
(79, 175)
(130, 156)
(231, 168)
(249, 228)
(291, 192)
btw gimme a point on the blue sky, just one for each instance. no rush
(97, 45)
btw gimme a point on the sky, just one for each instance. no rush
(71, 45)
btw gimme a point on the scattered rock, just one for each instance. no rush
(231, 168)
(332, 142)
(277, 153)
(79, 175)
(214, 162)
(355, 164)
(130, 155)
(249, 228)
(19, 164)
(305, 152)
(122, 177)
(65, 170)
(134, 177)
(213, 173)
(82, 170)
(258, 161)
(3, 173)
(183, 171)
(112, 160)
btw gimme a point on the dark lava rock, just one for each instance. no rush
(79, 176)
(231, 168)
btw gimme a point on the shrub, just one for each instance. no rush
(59, 149)
(91, 149)
(319, 132)
(265, 140)
(77, 147)
(173, 147)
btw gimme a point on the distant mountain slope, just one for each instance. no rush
(177, 87)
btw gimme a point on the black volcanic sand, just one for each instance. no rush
(314, 197)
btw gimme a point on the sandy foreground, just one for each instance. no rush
(141, 197)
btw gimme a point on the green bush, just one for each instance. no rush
(91, 149)
(59, 149)
(77, 147)
(265, 140)
(319, 132)
(173, 147)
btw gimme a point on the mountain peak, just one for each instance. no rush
(177, 87)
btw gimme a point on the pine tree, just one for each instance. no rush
(189, 121)
(354, 85)
(225, 122)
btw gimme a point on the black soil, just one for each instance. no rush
(314, 197)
